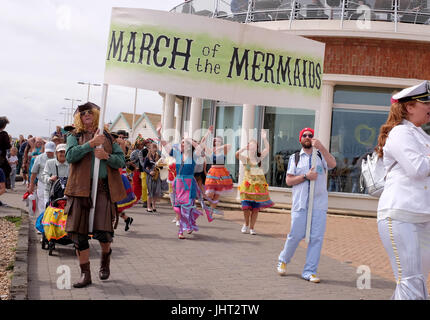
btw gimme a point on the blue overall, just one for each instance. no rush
(299, 214)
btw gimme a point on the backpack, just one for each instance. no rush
(373, 175)
(297, 156)
(57, 188)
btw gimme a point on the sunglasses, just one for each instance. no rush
(308, 136)
(85, 112)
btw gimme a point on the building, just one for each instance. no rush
(373, 48)
(144, 124)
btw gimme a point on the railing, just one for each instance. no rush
(395, 11)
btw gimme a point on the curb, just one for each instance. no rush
(19, 283)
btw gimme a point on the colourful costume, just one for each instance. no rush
(218, 179)
(131, 199)
(185, 192)
(54, 223)
(254, 191)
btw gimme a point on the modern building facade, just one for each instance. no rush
(372, 49)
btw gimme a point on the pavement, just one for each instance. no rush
(216, 263)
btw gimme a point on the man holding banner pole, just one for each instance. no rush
(94, 186)
(302, 170)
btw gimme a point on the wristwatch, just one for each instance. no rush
(306, 178)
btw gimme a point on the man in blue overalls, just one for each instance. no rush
(299, 175)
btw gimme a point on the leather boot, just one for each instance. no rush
(85, 279)
(104, 272)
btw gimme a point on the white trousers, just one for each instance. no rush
(40, 201)
(408, 247)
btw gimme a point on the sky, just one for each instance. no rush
(47, 47)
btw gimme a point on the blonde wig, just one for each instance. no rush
(79, 126)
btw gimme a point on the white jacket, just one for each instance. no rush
(407, 186)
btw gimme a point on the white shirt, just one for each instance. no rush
(39, 165)
(301, 190)
(51, 170)
(12, 159)
(407, 186)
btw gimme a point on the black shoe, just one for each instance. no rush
(154, 210)
(128, 223)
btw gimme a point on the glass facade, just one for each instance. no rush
(358, 113)
(354, 133)
(284, 125)
(206, 114)
(359, 11)
(229, 118)
(363, 95)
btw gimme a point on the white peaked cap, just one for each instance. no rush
(420, 92)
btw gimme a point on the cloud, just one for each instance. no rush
(53, 44)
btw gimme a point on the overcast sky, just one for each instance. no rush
(47, 46)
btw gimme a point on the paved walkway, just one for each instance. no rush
(218, 262)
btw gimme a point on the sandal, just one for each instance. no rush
(181, 236)
(148, 210)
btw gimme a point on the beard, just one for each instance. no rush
(306, 144)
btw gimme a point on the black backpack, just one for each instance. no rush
(297, 156)
(58, 187)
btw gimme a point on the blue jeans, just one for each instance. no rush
(298, 232)
(12, 178)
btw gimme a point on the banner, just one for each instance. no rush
(214, 59)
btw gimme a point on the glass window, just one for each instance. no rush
(228, 123)
(235, 10)
(284, 126)
(354, 133)
(370, 96)
(186, 116)
(206, 114)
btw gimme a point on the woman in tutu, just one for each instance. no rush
(254, 193)
(185, 188)
(218, 179)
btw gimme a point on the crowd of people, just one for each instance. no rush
(194, 174)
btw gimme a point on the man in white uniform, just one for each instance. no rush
(299, 175)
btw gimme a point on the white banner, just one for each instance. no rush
(214, 59)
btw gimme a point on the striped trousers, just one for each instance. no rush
(408, 248)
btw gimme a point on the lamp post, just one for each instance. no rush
(65, 116)
(49, 120)
(72, 108)
(89, 85)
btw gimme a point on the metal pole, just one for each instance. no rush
(215, 13)
(343, 12)
(71, 112)
(395, 15)
(250, 12)
(312, 184)
(88, 95)
(97, 161)
(134, 115)
(293, 11)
